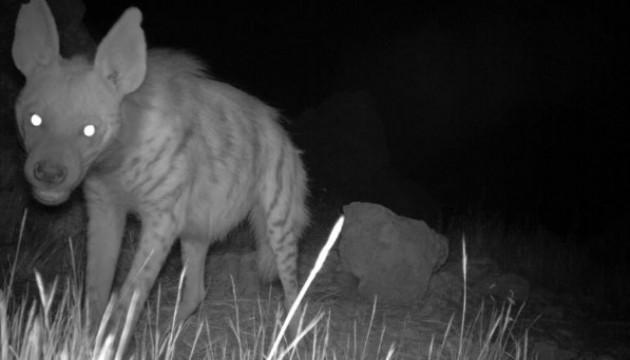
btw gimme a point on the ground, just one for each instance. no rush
(557, 326)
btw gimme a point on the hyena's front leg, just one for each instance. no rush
(159, 231)
(106, 223)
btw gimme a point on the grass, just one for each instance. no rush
(54, 326)
(524, 249)
(585, 269)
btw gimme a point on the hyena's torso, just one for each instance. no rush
(190, 155)
(193, 159)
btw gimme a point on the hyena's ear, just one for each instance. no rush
(36, 42)
(121, 58)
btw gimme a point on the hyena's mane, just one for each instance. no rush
(168, 72)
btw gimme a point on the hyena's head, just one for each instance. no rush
(69, 110)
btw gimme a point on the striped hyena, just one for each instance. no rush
(148, 132)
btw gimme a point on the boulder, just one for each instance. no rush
(393, 257)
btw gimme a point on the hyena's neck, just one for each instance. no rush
(133, 123)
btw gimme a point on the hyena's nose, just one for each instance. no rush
(49, 172)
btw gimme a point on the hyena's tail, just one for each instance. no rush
(281, 209)
(267, 268)
(266, 259)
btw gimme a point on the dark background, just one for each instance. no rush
(520, 107)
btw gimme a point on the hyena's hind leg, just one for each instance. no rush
(194, 252)
(278, 222)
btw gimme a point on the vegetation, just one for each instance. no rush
(54, 326)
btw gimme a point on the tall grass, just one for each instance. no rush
(54, 326)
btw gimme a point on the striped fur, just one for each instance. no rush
(190, 155)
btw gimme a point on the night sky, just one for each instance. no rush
(523, 106)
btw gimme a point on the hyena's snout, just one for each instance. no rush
(49, 172)
(53, 174)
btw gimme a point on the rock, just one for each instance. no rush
(394, 257)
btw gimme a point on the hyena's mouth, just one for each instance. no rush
(51, 197)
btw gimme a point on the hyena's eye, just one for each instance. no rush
(36, 120)
(89, 130)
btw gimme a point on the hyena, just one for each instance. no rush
(149, 132)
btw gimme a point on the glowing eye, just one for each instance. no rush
(36, 120)
(89, 130)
